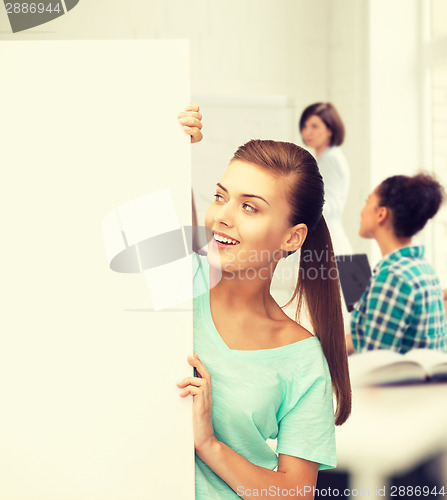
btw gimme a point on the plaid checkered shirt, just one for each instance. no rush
(402, 307)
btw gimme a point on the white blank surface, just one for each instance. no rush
(89, 406)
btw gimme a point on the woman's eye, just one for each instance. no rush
(218, 197)
(249, 208)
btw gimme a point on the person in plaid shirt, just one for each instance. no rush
(402, 307)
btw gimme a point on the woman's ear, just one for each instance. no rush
(383, 215)
(295, 238)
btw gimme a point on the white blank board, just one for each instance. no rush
(89, 406)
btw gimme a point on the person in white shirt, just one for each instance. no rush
(322, 130)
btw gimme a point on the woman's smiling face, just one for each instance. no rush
(316, 134)
(249, 218)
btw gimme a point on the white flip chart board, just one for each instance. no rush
(89, 406)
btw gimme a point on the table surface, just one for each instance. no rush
(392, 429)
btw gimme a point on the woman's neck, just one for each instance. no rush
(320, 150)
(240, 290)
(390, 243)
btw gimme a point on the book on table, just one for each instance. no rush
(385, 367)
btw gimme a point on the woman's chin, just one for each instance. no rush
(218, 258)
(365, 234)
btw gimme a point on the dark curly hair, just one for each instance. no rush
(412, 201)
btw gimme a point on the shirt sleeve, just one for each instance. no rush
(383, 314)
(307, 430)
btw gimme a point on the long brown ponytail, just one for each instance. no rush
(323, 301)
(318, 286)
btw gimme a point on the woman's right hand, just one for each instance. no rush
(199, 388)
(191, 120)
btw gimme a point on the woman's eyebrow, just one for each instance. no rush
(245, 195)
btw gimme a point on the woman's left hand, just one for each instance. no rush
(200, 388)
(191, 120)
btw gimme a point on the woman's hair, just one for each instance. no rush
(321, 291)
(327, 112)
(411, 200)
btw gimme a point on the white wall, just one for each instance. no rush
(394, 115)
(348, 89)
(373, 79)
(394, 89)
(246, 47)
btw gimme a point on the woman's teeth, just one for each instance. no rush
(227, 241)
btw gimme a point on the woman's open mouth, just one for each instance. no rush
(224, 241)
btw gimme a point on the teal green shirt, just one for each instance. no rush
(283, 393)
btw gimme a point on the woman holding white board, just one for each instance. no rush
(260, 374)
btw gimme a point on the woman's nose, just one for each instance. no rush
(224, 214)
